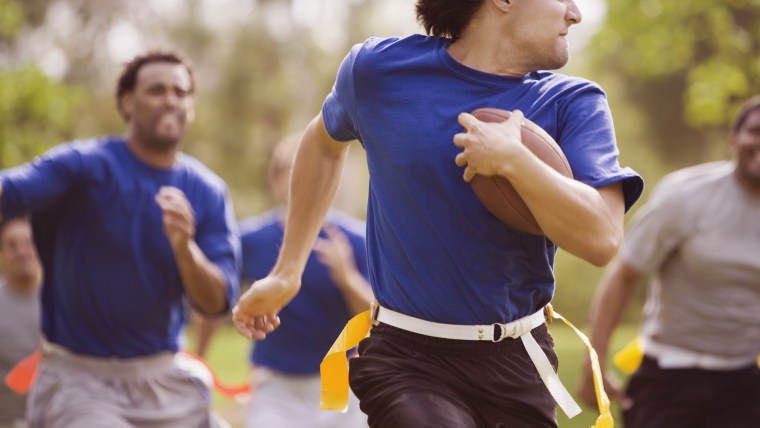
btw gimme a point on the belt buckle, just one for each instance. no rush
(502, 332)
(374, 308)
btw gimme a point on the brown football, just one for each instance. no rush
(497, 194)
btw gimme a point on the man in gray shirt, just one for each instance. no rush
(19, 311)
(698, 240)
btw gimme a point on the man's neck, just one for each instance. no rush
(488, 57)
(751, 189)
(156, 158)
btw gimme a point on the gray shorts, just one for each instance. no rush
(292, 401)
(160, 390)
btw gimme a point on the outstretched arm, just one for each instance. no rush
(584, 221)
(610, 300)
(316, 174)
(204, 328)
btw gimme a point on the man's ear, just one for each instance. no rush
(732, 144)
(126, 106)
(191, 111)
(503, 5)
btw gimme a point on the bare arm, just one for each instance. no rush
(316, 174)
(336, 253)
(203, 281)
(204, 332)
(582, 220)
(611, 298)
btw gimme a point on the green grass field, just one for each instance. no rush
(228, 356)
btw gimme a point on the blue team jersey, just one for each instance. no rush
(111, 284)
(434, 250)
(315, 317)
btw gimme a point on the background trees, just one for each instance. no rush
(674, 73)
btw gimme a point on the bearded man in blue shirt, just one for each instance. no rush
(128, 229)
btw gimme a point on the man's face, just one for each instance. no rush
(539, 30)
(745, 147)
(161, 105)
(17, 252)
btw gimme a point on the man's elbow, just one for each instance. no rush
(212, 307)
(603, 249)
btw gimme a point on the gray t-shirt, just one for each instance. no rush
(699, 238)
(19, 337)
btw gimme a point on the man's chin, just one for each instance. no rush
(166, 141)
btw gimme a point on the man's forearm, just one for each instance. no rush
(203, 281)
(582, 220)
(316, 175)
(356, 291)
(610, 301)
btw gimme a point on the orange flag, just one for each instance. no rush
(21, 378)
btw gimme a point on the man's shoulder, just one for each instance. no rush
(382, 50)
(88, 148)
(202, 173)
(262, 224)
(379, 44)
(565, 83)
(696, 176)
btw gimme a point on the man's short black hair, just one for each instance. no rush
(446, 18)
(748, 107)
(128, 78)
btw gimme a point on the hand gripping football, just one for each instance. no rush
(497, 194)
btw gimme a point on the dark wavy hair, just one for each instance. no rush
(446, 18)
(128, 78)
(748, 107)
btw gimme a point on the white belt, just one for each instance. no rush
(519, 328)
(673, 357)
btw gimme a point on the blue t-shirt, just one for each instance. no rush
(434, 250)
(316, 316)
(111, 284)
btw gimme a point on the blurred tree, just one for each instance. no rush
(686, 65)
(36, 112)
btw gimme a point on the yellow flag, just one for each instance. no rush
(605, 419)
(334, 367)
(630, 357)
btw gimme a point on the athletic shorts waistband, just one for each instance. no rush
(56, 355)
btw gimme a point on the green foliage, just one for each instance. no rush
(11, 18)
(687, 65)
(35, 114)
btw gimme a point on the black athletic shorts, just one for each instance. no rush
(405, 379)
(693, 398)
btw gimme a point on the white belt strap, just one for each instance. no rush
(520, 328)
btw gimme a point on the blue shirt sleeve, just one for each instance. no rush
(42, 182)
(338, 107)
(219, 240)
(587, 138)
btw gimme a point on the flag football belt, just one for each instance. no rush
(334, 367)
(630, 357)
(495, 333)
